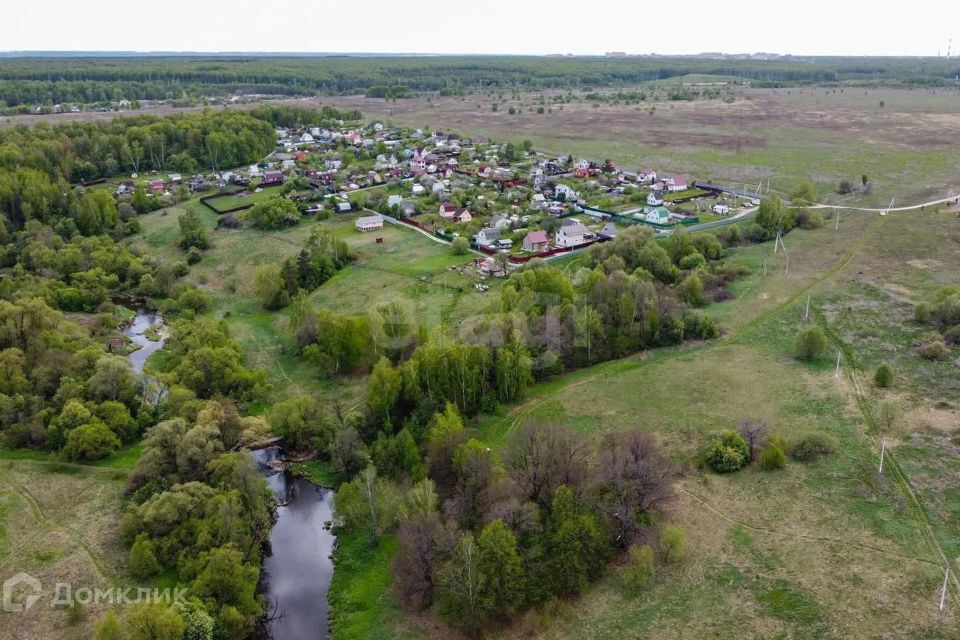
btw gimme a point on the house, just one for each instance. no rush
(408, 208)
(720, 209)
(344, 207)
(556, 208)
(502, 222)
(253, 171)
(306, 137)
(609, 231)
(369, 223)
(438, 187)
(394, 200)
(332, 165)
(536, 241)
(647, 175)
(538, 201)
(676, 183)
(564, 192)
(655, 199)
(488, 237)
(657, 215)
(417, 189)
(156, 186)
(572, 233)
(462, 216)
(448, 210)
(175, 178)
(271, 178)
(419, 161)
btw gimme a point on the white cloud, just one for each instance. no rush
(818, 27)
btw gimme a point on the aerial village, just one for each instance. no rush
(507, 200)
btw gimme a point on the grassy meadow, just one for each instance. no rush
(822, 549)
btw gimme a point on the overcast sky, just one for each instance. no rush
(818, 27)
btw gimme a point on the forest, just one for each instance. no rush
(88, 80)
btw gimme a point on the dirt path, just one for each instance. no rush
(46, 521)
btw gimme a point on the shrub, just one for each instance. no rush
(728, 453)
(143, 558)
(773, 458)
(810, 343)
(692, 261)
(640, 569)
(934, 349)
(811, 446)
(194, 255)
(460, 246)
(883, 376)
(672, 541)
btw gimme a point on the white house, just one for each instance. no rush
(394, 200)
(306, 137)
(369, 223)
(572, 233)
(538, 201)
(417, 189)
(488, 237)
(438, 187)
(720, 209)
(566, 190)
(344, 207)
(448, 210)
(657, 215)
(655, 199)
(647, 175)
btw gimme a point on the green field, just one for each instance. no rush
(406, 266)
(825, 549)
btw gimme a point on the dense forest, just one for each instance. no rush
(33, 81)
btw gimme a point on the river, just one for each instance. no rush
(143, 320)
(296, 575)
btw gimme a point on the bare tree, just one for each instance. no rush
(414, 566)
(755, 433)
(634, 479)
(541, 457)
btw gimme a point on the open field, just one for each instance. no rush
(60, 523)
(406, 266)
(906, 146)
(824, 549)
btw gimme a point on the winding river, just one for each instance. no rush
(296, 575)
(297, 572)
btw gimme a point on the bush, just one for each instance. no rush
(883, 376)
(640, 570)
(194, 255)
(460, 246)
(934, 349)
(811, 446)
(672, 541)
(143, 558)
(810, 344)
(692, 261)
(773, 458)
(728, 453)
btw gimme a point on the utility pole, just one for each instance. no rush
(786, 270)
(764, 266)
(806, 314)
(883, 450)
(837, 227)
(837, 374)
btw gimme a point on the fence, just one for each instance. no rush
(205, 201)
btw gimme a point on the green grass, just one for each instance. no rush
(361, 607)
